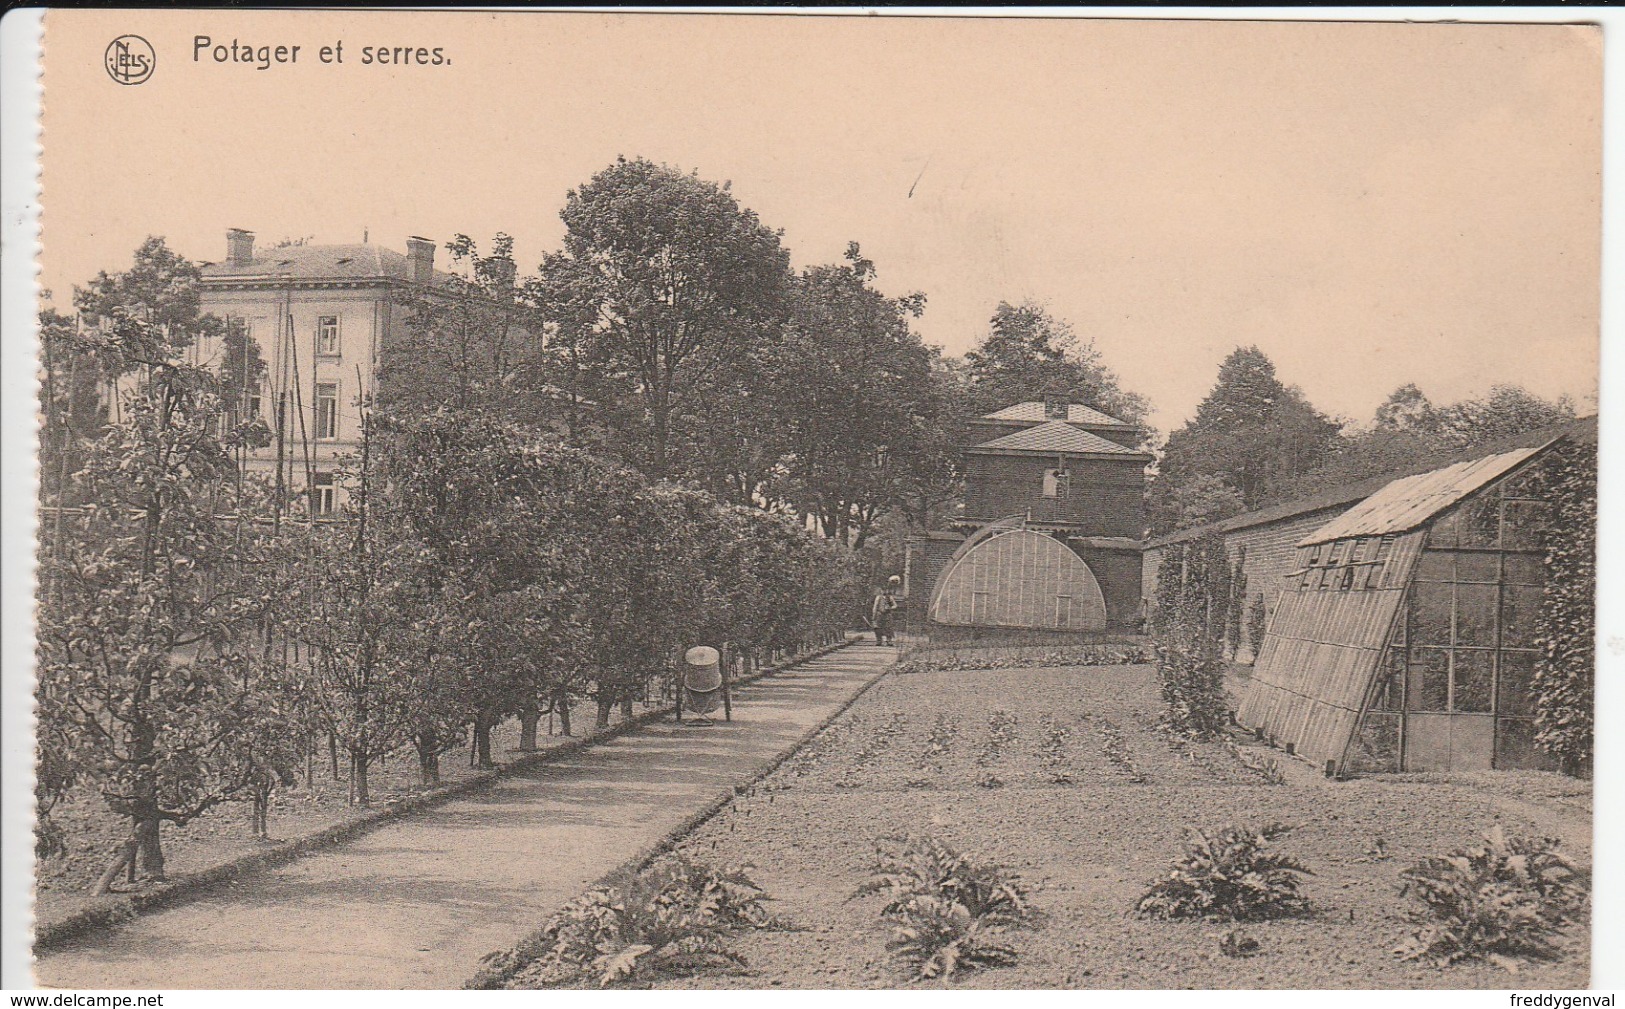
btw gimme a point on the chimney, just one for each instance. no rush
(239, 247)
(419, 260)
(1055, 408)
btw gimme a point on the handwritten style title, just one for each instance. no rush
(207, 50)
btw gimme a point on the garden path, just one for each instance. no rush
(416, 903)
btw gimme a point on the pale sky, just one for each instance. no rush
(1369, 203)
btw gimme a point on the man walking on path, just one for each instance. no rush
(882, 612)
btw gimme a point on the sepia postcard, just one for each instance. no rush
(800, 500)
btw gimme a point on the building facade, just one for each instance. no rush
(1064, 472)
(321, 316)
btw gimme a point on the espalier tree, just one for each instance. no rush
(153, 581)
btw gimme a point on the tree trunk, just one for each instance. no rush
(561, 705)
(122, 859)
(333, 753)
(150, 848)
(428, 760)
(626, 706)
(482, 746)
(262, 807)
(529, 718)
(359, 794)
(606, 704)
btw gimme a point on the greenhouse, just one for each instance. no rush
(1406, 636)
(1009, 576)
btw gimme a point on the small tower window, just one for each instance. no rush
(1057, 483)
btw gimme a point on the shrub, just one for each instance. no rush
(949, 913)
(1509, 898)
(670, 920)
(1229, 875)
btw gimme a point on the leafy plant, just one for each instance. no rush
(1266, 768)
(1237, 944)
(1115, 749)
(670, 920)
(1054, 750)
(1229, 875)
(1510, 897)
(1001, 732)
(949, 912)
(939, 743)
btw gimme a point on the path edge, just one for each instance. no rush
(111, 912)
(499, 966)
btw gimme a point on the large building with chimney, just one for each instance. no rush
(321, 316)
(1048, 536)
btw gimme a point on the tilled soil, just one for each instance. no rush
(1061, 775)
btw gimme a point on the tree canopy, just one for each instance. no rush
(1029, 354)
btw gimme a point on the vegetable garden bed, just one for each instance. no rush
(1062, 775)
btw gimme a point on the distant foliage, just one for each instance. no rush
(1253, 434)
(949, 913)
(1028, 354)
(1193, 598)
(1505, 900)
(670, 920)
(1564, 683)
(1229, 875)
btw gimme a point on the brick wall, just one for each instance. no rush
(1271, 547)
(1106, 496)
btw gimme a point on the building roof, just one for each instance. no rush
(1057, 437)
(1076, 413)
(1344, 495)
(317, 262)
(1410, 502)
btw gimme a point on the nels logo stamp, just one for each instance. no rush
(129, 59)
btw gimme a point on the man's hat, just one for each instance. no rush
(894, 580)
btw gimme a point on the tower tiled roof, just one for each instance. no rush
(1056, 436)
(1076, 413)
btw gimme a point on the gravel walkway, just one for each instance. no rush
(415, 904)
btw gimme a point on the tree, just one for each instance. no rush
(859, 401)
(153, 588)
(1408, 434)
(1507, 410)
(1206, 498)
(357, 617)
(469, 343)
(677, 279)
(1029, 354)
(1253, 432)
(1407, 409)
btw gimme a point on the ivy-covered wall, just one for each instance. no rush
(1565, 676)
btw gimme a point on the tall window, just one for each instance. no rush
(327, 334)
(327, 410)
(322, 496)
